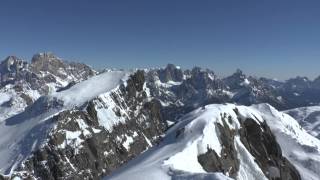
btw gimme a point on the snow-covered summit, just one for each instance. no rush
(221, 141)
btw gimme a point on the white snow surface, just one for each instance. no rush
(4, 97)
(308, 118)
(88, 89)
(176, 156)
(298, 146)
(17, 103)
(106, 116)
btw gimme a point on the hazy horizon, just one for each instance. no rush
(265, 39)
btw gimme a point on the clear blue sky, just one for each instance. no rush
(273, 38)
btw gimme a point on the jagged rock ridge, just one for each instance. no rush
(94, 138)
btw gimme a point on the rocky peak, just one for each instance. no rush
(236, 80)
(10, 69)
(298, 84)
(316, 83)
(46, 56)
(10, 60)
(299, 79)
(12, 64)
(239, 74)
(46, 62)
(170, 73)
(201, 78)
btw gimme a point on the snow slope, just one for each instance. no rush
(302, 149)
(11, 103)
(87, 90)
(176, 156)
(26, 131)
(308, 118)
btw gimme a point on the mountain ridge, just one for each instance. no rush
(86, 129)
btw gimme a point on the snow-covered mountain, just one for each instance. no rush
(308, 118)
(22, 83)
(82, 132)
(229, 141)
(64, 120)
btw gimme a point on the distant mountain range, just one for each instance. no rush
(65, 120)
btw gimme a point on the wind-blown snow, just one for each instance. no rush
(87, 90)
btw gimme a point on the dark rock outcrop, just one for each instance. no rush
(262, 144)
(228, 163)
(98, 150)
(258, 140)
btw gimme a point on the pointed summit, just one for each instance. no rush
(171, 73)
(238, 73)
(12, 64)
(45, 56)
(46, 61)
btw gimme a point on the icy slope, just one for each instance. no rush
(302, 149)
(308, 118)
(27, 131)
(207, 137)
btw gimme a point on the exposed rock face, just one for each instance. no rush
(44, 68)
(98, 150)
(49, 63)
(182, 91)
(234, 81)
(93, 140)
(10, 69)
(262, 144)
(229, 162)
(25, 82)
(170, 73)
(199, 87)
